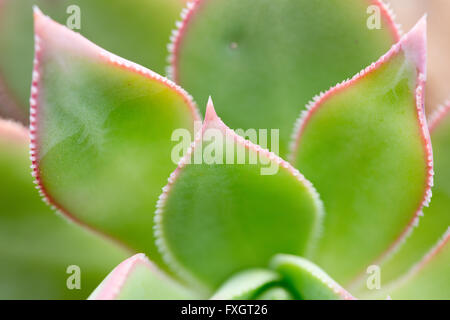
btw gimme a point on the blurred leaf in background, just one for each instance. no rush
(37, 246)
(137, 30)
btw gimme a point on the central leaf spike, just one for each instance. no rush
(222, 215)
(262, 60)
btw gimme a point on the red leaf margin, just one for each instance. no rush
(44, 24)
(192, 8)
(414, 45)
(113, 283)
(212, 118)
(438, 115)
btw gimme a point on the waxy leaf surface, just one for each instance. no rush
(275, 293)
(138, 279)
(101, 134)
(428, 279)
(307, 280)
(263, 60)
(36, 246)
(436, 217)
(135, 29)
(246, 285)
(365, 146)
(218, 218)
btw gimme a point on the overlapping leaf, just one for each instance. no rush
(307, 280)
(36, 246)
(263, 60)
(135, 29)
(221, 215)
(138, 279)
(246, 285)
(436, 218)
(101, 134)
(427, 279)
(365, 146)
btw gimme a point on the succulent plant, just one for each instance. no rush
(345, 216)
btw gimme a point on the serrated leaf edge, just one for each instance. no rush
(114, 282)
(419, 58)
(438, 115)
(318, 273)
(211, 116)
(416, 268)
(34, 143)
(193, 6)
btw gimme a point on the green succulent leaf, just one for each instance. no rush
(365, 145)
(307, 280)
(427, 280)
(138, 279)
(263, 60)
(275, 293)
(246, 285)
(36, 246)
(437, 216)
(216, 218)
(101, 134)
(143, 28)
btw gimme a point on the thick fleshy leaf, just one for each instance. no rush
(307, 280)
(275, 293)
(437, 216)
(428, 279)
(37, 246)
(246, 285)
(138, 279)
(101, 134)
(365, 145)
(216, 218)
(135, 29)
(263, 60)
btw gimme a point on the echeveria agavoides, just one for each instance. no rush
(232, 219)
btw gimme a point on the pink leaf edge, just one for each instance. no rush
(13, 131)
(213, 121)
(413, 44)
(192, 8)
(438, 115)
(113, 283)
(45, 28)
(427, 258)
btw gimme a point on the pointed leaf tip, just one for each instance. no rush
(210, 114)
(84, 97)
(414, 44)
(371, 107)
(263, 203)
(341, 48)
